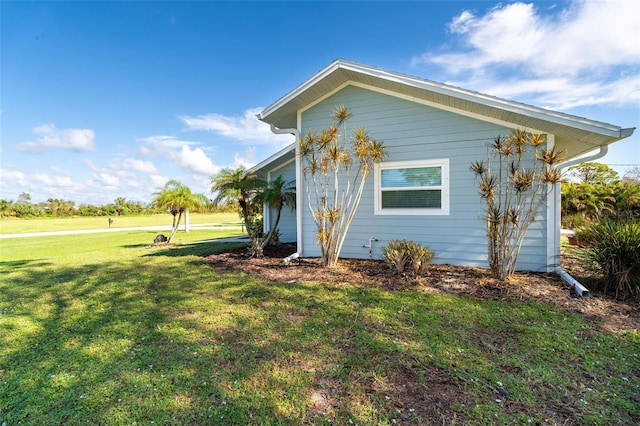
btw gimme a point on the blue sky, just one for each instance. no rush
(111, 99)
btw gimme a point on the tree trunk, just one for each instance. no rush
(175, 228)
(273, 230)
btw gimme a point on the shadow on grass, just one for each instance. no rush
(199, 248)
(174, 342)
(21, 263)
(133, 246)
(148, 340)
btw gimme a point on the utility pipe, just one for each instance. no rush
(291, 257)
(579, 288)
(296, 133)
(564, 275)
(370, 246)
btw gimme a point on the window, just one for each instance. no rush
(412, 187)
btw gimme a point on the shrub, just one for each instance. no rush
(573, 221)
(404, 254)
(396, 254)
(615, 252)
(514, 183)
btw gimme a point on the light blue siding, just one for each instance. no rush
(413, 131)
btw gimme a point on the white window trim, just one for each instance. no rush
(442, 211)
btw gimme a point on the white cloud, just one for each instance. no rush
(180, 153)
(559, 93)
(8, 175)
(56, 181)
(158, 180)
(244, 128)
(586, 54)
(87, 162)
(106, 180)
(196, 161)
(12, 178)
(246, 159)
(164, 141)
(49, 136)
(163, 146)
(142, 166)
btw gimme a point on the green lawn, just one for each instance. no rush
(18, 226)
(101, 329)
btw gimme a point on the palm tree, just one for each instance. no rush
(177, 199)
(236, 184)
(277, 194)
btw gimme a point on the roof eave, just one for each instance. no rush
(274, 158)
(480, 99)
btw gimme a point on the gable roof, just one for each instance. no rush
(577, 135)
(276, 160)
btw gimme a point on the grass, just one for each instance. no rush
(100, 329)
(19, 226)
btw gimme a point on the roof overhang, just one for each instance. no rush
(277, 160)
(576, 135)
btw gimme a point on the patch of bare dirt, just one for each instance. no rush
(613, 315)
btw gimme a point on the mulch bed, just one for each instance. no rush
(612, 315)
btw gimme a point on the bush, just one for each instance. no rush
(615, 252)
(402, 255)
(573, 221)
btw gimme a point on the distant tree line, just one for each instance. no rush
(23, 207)
(604, 211)
(595, 191)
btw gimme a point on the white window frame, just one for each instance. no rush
(443, 163)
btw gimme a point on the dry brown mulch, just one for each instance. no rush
(612, 315)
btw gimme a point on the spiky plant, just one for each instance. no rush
(514, 183)
(614, 251)
(402, 255)
(335, 173)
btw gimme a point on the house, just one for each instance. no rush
(425, 125)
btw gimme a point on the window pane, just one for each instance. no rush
(410, 177)
(411, 199)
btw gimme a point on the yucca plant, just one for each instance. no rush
(514, 183)
(402, 255)
(615, 253)
(420, 257)
(396, 254)
(335, 168)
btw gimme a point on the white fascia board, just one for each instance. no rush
(300, 89)
(284, 151)
(492, 101)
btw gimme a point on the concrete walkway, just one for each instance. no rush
(194, 227)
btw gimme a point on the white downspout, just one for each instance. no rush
(601, 153)
(564, 275)
(296, 134)
(266, 217)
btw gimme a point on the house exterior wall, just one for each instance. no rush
(412, 131)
